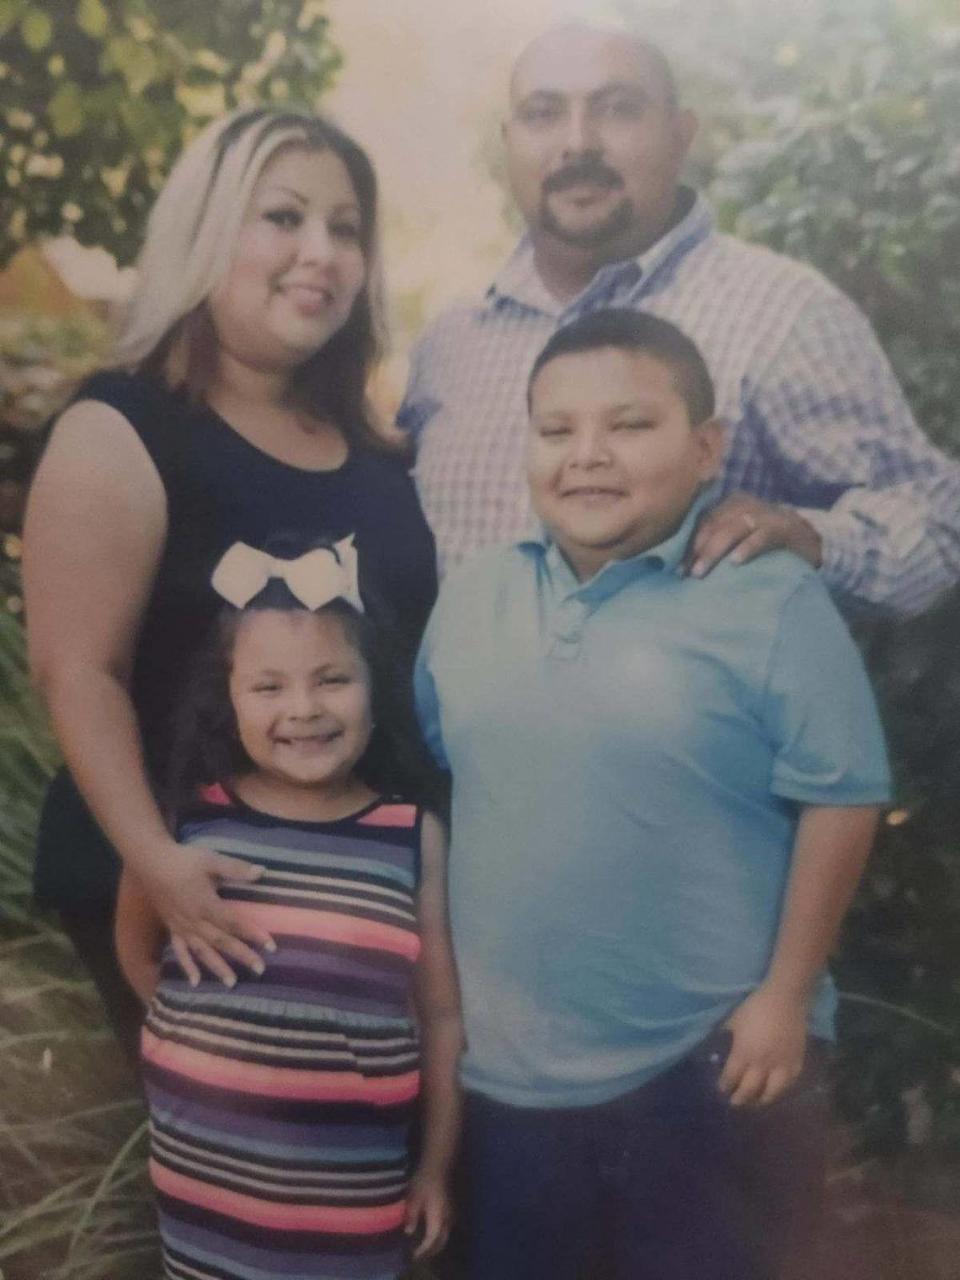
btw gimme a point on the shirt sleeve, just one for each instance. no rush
(428, 702)
(417, 407)
(819, 709)
(884, 500)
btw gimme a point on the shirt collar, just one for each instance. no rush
(518, 281)
(665, 557)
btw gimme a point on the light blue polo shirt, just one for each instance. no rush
(629, 757)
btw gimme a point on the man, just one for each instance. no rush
(823, 457)
(664, 792)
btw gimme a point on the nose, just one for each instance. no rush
(580, 133)
(316, 242)
(305, 702)
(588, 448)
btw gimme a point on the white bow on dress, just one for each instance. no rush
(316, 578)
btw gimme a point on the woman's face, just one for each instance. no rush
(298, 264)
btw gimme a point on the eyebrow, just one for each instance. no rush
(640, 405)
(290, 191)
(347, 206)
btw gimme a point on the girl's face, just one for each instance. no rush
(298, 265)
(301, 695)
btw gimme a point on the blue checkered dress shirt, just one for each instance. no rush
(815, 417)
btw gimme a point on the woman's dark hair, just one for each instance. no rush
(206, 745)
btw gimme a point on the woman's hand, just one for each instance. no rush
(182, 886)
(428, 1206)
(769, 1039)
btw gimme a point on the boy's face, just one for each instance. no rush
(613, 460)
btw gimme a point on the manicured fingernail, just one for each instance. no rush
(259, 968)
(230, 982)
(270, 946)
(698, 569)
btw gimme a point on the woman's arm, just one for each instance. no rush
(139, 935)
(95, 528)
(441, 1032)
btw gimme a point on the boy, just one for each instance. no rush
(665, 790)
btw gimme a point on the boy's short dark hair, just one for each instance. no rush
(627, 330)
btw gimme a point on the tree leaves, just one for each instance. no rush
(116, 85)
(36, 29)
(137, 62)
(65, 110)
(92, 18)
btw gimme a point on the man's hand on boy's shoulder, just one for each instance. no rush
(769, 1031)
(742, 528)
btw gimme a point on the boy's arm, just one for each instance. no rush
(139, 933)
(770, 1027)
(441, 1034)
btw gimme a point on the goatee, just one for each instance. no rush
(614, 225)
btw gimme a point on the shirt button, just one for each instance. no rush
(565, 644)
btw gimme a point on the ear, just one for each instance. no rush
(712, 442)
(687, 126)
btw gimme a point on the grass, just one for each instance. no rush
(74, 1199)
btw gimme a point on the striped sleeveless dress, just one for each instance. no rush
(282, 1110)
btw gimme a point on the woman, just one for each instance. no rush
(234, 413)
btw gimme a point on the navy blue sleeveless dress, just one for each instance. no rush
(221, 489)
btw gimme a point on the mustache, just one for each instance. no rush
(588, 171)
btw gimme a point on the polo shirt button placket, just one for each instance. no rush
(566, 631)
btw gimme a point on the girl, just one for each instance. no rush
(281, 1106)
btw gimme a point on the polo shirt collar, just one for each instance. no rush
(664, 558)
(519, 282)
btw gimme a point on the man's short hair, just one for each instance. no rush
(627, 330)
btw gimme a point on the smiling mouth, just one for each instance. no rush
(310, 299)
(309, 741)
(591, 491)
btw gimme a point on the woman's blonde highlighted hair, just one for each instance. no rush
(190, 241)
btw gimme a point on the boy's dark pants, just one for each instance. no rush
(666, 1183)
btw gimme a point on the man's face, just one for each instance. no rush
(613, 460)
(594, 141)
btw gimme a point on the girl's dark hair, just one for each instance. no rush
(206, 745)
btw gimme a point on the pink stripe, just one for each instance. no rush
(279, 1217)
(215, 794)
(390, 815)
(277, 1082)
(307, 922)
